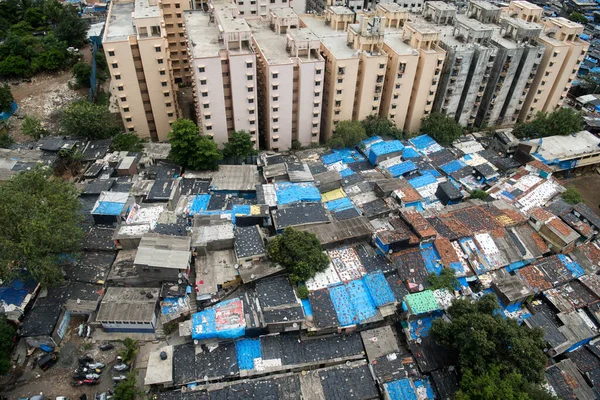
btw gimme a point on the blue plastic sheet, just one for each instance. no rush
(379, 289)
(400, 390)
(432, 172)
(410, 152)
(246, 351)
(453, 166)
(430, 256)
(419, 328)
(345, 155)
(383, 148)
(307, 307)
(344, 310)
(223, 321)
(289, 192)
(340, 204)
(424, 383)
(109, 208)
(402, 168)
(423, 180)
(170, 305)
(572, 266)
(346, 172)
(361, 299)
(199, 203)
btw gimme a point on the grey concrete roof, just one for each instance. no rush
(128, 304)
(162, 251)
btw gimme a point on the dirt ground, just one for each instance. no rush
(589, 186)
(56, 381)
(42, 97)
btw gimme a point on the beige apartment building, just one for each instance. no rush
(172, 21)
(290, 80)
(564, 52)
(223, 72)
(146, 99)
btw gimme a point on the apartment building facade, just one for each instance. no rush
(223, 72)
(171, 12)
(144, 89)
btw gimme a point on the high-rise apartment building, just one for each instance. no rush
(136, 49)
(223, 66)
(172, 20)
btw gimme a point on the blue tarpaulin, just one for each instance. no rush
(172, 305)
(340, 204)
(430, 256)
(400, 390)
(402, 168)
(433, 172)
(368, 142)
(345, 155)
(109, 208)
(15, 291)
(583, 36)
(352, 302)
(289, 192)
(222, 321)
(383, 148)
(425, 144)
(419, 328)
(453, 166)
(307, 307)
(346, 172)
(199, 203)
(410, 152)
(426, 385)
(572, 266)
(246, 351)
(379, 289)
(424, 180)
(6, 114)
(344, 310)
(361, 299)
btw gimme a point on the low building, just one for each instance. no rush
(344, 232)
(215, 271)
(166, 258)
(301, 214)
(211, 233)
(131, 310)
(281, 309)
(558, 234)
(112, 208)
(165, 191)
(249, 244)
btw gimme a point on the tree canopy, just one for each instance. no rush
(189, 149)
(6, 98)
(127, 389)
(572, 195)
(347, 134)
(7, 334)
(484, 340)
(479, 194)
(442, 128)
(563, 121)
(127, 142)
(299, 252)
(32, 126)
(86, 120)
(445, 280)
(380, 126)
(578, 17)
(240, 146)
(39, 222)
(82, 72)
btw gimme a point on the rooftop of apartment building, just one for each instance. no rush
(453, 35)
(120, 24)
(334, 40)
(146, 9)
(394, 39)
(272, 45)
(203, 35)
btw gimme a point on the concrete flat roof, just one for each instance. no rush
(203, 36)
(120, 25)
(565, 147)
(484, 5)
(272, 45)
(441, 5)
(143, 9)
(159, 372)
(393, 38)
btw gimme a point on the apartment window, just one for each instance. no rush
(115, 65)
(160, 60)
(428, 103)
(547, 73)
(338, 103)
(248, 65)
(251, 111)
(250, 101)
(126, 109)
(181, 34)
(127, 119)
(275, 119)
(318, 72)
(341, 70)
(275, 130)
(177, 5)
(120, 88)
(337, 112)
(275, 75)
(111, 53)
(203, 81)
(252, 122)
(241, 3)
(317, 83)
(272, 1)
(275, 87)
(174, 53)
(275, 98)
(397, 86)
(162, 72)
(555, 54)
(241, 12)
(395, 96)
(539, 92)
(250, 89)
(204, 94)
(131, 129)
(207, 116)
(209, 127)
(180, 25)
(157, 49)
(168, 104)
(381, 66)
(178, 15)
(275, 109)
(340, 80)
(166, 94)
(117, 77)
(315, 125)
(399, 76)
(374, 108)
(316, 104)
(170, 115)
(164, 84)
(253, 12)
(205, 105)
(249, 77)
(201, 69)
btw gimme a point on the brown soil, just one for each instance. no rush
(589, 186)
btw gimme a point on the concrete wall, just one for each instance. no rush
(308, 126)
(172, 14)
(240, 97)
(475, 85)
(395, 101)
(211, 120)
(453, 79)
(369, 93)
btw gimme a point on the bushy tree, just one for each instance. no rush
(71, 28)
(5, 140)
(347, 134)
(240, 146)
(299, 252)
(302, 292)
(39, 222)
(14, 66)
(442, 128)
(129, 352)
(572, 195)
(86, 120)
(32, 126)
(127, 389)
(189, 149)
(82, 73)
(445, 280)
(127, 142)
(483, 339)
(578, 17)
(7, 343)
(6, 98)
(380, 126)
(563, 121)
(479, 194)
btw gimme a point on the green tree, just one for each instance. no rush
(190, 149)
(127, 142)
(86, 120)
(445, 280)
(563, 121)
(572, 195)
(82, 72)
(71, 28)
(479, 194)
(492, 385)
(5, 140)
(6, 98)
(302, 292)
(442, 128)
(7, 343)
(380, 126)
(40, 221)
(482, 339)
(299, 252)
(578, 17)
(32, 126)
(347, 134)
(127, 389)
(130, 350)
(240, 146)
